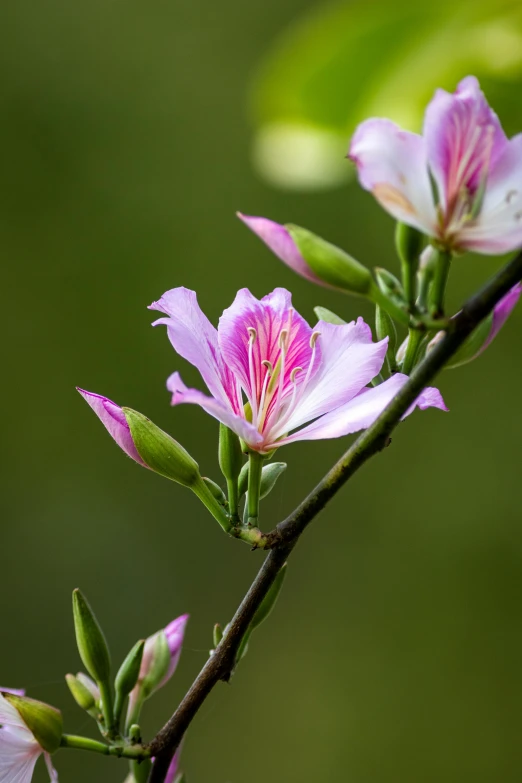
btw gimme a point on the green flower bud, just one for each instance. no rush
(229, 453)
(384, 327)
(326, 315)
(158, 663)
(389, 285)
(160, 452)
(409, 243)
(216, 491)
(242, 484)
(80, 693)
(90, 640)
(43, 721)
(331, 264)
(129, 671)
(269, 475)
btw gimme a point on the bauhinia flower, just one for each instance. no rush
(24, 739)
(160, 658)
(463, 151)
(270, 373)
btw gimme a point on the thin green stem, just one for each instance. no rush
(254, 487)
(134, 710)
(438, 286)
(201, 490)
(136, 752)
(233, 499)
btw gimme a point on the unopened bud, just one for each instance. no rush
(80, 693)
(384, 327)
(216, 490)
(217, 634)
(129, 671)
(409, 243)
(92, 646)
(160, 452)
(331, 264)
(269, 475)
(43, 721)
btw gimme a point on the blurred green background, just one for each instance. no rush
(130, 133)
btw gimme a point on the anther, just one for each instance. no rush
(282, 338)
(268, 366)
(252, 332)
(313, 339)
(294, 373)
(510, 195)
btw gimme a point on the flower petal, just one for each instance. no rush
(349, 360)
(173, 768)
(9, 715)
(195, 339)
(278, 239)
(239, 425)
(502, 312)
(464, 139)
(363, 410)
(392, 164)
(268, 317)
(53, 774)
(114, 421)
(498, 227)
(19, 752)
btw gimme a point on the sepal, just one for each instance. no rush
(90, 639)
(43, 721)
(323, 314)
(160, 452)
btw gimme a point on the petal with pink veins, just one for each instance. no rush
(349, 361)
(363, 410)
(498, 227)
(268, 317)
(464, 139)
(392, 164)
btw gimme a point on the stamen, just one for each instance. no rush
(510, 195)
(283, 339)
(251, 372)
(313, 339)
(268, 366)
(294, 373)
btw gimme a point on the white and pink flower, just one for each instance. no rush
(463, 151)
(269, 373)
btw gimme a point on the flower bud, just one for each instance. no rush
(389, 285)
(384, 327)
(326, 315)
(216, 490)
(160, 452)
(80, 693)
(129, 671)
(331, 264)
(90, 640)
(113, 419)
(43, 721)
(269, 475)
(160, 657)
(217, 634)
(230, 453)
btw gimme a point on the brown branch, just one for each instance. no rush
(284, 537)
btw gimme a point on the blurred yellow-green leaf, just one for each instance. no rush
(344, 62)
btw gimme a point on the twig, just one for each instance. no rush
(285, 536)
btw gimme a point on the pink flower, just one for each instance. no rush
(114, 421)
(19, 750)
(264, 354)
(173, 769)
(476, 169)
